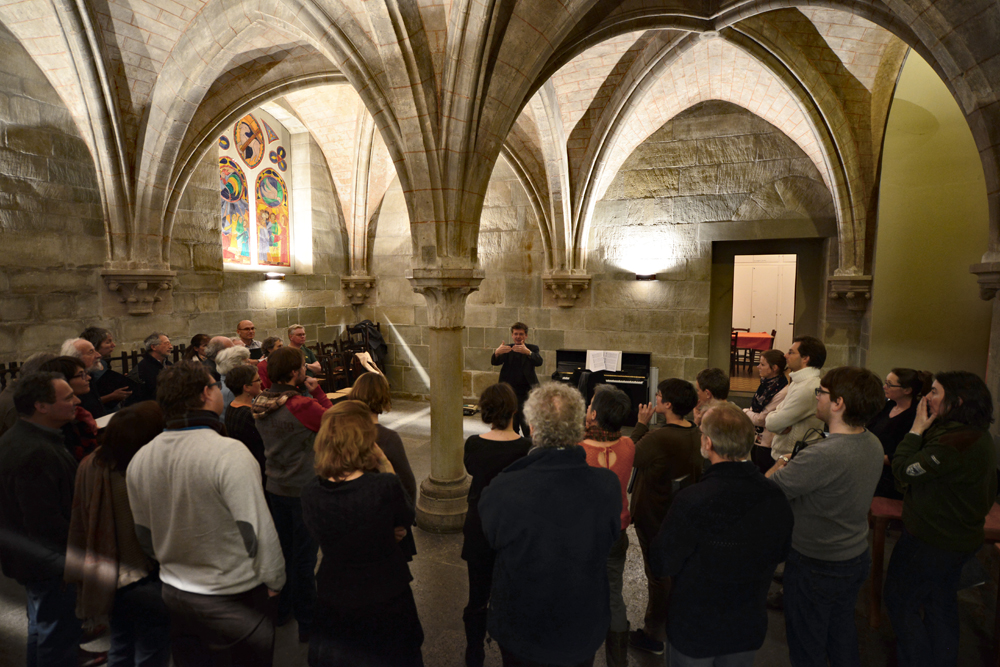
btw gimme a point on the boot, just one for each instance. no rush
(616, 649)
(475, 635)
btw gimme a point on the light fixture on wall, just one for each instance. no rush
(645, 276)
(274, 275)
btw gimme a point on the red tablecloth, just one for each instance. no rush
(753, 341)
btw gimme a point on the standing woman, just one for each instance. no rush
(903, 387)
(485, 456)
(270, 344)
(196, 350)
(245, 384)
(104, 558)
(365, 613)
(948, 464)
(372, 389)
(769, 395)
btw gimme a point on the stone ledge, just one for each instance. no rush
(138, 289)
(988, 277)
(357, 288)
(856, 291)
(566, 288)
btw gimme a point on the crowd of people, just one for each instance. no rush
(194, 519)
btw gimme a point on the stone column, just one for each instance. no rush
(441, 505)
(988, 277)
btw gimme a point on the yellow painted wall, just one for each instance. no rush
(933, 223)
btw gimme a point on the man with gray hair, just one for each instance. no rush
(156, 348)
(551, 519)
(721, 541)
(83, 350)
(215, 345)
(297, 339)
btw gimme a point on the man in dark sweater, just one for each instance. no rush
(721, 541)
(519, 361)
(288, 417)
(37, 475)
(551, 519)
(666, 459)
(157, 347)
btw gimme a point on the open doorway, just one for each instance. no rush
(764, 308)
(764, 295)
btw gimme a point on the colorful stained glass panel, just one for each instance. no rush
(273, 242)
(235, 213)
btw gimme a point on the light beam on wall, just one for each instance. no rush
(409, 354)
(643, 250)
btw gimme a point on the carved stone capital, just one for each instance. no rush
(138, 289)
(988, 277)
(856, 291)
(445, 291)
(357, 288)
(566, 288)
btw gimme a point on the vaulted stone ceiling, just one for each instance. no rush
(436, 91)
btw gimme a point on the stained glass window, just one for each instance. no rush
(256, 224)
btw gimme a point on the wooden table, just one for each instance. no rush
(339, 395)
(882, 511)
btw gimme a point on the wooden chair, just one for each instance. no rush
(755, 354)
(733, 353)
(336, 374)
(737, 357)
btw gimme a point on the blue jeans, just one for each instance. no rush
(300, 552)
(677, 659)
(140, 626)
(53, 628)
(820, 597)
(924, 576)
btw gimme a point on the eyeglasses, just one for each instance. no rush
(216, 384)
(820, 391)
(889, 385)
(247, 329)
(80, 375)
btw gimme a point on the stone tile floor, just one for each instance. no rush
(440, 588)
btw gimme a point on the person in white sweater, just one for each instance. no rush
(796, 415)
(199, 510)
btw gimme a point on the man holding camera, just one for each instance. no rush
(519, 361)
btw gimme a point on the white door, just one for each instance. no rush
(764, 295)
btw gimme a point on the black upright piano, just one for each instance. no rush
(635, 377)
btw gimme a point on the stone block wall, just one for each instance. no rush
(52, 227)
(51, 219)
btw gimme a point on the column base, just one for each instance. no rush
(442, 506)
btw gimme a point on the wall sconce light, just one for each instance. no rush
(272, 275)
(645, 276)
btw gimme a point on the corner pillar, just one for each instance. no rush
(442, 503)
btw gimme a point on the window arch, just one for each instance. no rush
(255, 194)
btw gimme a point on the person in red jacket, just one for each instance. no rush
(288, 416)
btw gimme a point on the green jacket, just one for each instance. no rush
(951, 484)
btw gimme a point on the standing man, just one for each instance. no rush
(666, 460)
(154, 359)
(830, 485)
(297, 339)
(87, 352)
(712, 386)
(288, 416)
(246, 331)
(200, 512)
(796, 416)
(215, 345)
(551, 519)
(721, 541)
(111, 386)
(37, 474)
(519, 361)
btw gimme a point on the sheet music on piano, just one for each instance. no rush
(604, 360)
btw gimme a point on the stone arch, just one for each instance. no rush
(627, 127)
